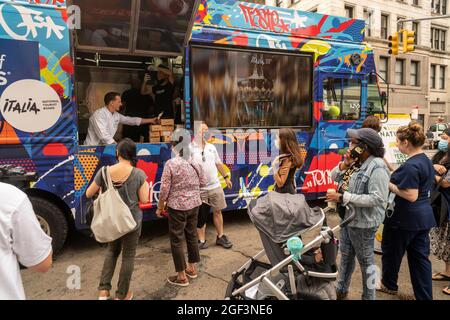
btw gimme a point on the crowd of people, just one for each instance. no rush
(411, 201)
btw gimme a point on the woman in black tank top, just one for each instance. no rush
(290, 160)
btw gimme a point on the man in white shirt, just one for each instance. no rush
(212, 194)
(21, 240)
(104, 122)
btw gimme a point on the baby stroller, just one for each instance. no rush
(293, 274)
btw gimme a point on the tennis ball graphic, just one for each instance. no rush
(334, 111)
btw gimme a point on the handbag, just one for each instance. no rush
(439, 204)
(112, 217)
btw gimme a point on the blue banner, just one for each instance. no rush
(19, 60)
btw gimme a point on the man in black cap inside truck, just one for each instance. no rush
(162, 89)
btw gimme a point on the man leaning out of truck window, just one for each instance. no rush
(103, 124)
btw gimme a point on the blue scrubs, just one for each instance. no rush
(407, 229)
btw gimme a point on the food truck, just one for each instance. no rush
(245, 69)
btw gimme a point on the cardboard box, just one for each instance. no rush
(166, 133)
(156, 127)
(168, 122)
(167, 128)
(166, 139)
(155, 140)
(155, 134)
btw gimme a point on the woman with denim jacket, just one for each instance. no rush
(363, 179)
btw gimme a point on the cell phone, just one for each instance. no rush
(358, 151)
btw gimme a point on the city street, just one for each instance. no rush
(154, 264)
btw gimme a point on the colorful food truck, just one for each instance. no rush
(245, 69)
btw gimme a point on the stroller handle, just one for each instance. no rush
(350, 218)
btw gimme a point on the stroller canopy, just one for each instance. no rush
(281, 216)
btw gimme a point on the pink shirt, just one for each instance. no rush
(180, 184)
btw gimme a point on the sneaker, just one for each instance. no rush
(177, 281)
(191, 274)
(224, 242)
(202, 245)
(384, 289)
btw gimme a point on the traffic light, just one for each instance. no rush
(393, 44)
(408, 41)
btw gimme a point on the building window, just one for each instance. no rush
(442, 78)
(415, 2)
(368, 20)
(433, 76)
(384, 26)
(438, 39)
(414, 80)
(415, 28)
(399, 28)
(383, 70)
(349, 11)
(439, 6)
(399, 71)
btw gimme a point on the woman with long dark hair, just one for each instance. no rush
(289, 161)
(440, 236)
(133, 188)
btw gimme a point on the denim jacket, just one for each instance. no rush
(368, 191)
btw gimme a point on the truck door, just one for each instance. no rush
(342, 108)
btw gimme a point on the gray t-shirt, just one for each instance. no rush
(129, 191)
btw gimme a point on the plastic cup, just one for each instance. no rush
(332, 205)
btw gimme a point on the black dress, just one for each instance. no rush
(289, 185)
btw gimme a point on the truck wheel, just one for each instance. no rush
(52, 221)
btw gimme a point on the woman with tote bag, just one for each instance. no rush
(132, 187)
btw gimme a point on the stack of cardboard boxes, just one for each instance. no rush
(162, 132)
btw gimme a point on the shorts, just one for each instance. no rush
(212, 199)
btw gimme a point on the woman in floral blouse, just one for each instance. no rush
(180, 193)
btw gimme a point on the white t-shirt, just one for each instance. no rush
(211, 159)
(21, 240)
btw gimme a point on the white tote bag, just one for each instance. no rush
(112, 217)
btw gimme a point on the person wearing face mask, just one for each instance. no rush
(288, 162)
(133, 188)
(162, 91)
(407, 227)
(440, 236)
(363, 179)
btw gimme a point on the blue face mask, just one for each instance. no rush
(443, 145)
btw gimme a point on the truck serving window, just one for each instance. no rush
(342, 99)
(253, 89)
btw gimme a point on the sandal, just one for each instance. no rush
(191, 274)
(446, 290)
(177, 281)
(440, 277)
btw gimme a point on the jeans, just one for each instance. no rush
(417, 246)
(183, 225)
(127, 245)
(357, 242)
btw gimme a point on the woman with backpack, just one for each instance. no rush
(132, 187)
